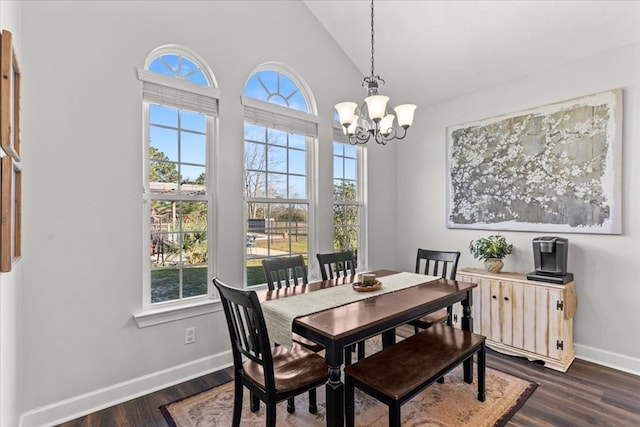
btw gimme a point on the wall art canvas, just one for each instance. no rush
(554, 168)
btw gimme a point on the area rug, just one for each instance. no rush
(453, 403)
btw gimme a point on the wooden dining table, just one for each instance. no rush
(340, 327)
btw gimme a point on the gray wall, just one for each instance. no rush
(606, 326)
(68, 305)
(82, 185)
(10, 20)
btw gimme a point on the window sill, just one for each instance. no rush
(170, 314)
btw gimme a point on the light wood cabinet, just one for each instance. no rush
(523, 317)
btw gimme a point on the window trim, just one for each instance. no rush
(161, 312)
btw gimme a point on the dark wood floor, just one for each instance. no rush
(586, 395)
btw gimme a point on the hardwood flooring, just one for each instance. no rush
(587, 394)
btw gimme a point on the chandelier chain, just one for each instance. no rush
(372, 34)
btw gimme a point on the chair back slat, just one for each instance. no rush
(437, 263)
(284, 272)
(247, 329)
(337, 264)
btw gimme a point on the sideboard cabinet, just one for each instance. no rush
(523, 317)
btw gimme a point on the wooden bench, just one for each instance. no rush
(399, 372)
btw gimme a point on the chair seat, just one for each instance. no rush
(294, 368)
(430, 319)
(308, 344)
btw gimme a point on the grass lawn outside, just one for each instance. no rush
(165, 283)
(255, 272)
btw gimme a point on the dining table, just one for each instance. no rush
(332, 313)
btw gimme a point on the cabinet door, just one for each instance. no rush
(485, 308)
(557, 339)
(496, 311)
(516, 300)
(530, 321)
(511, 314)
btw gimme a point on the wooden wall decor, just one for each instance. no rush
(9, 98)
(10, 168)
(6, 209)
(17, 211)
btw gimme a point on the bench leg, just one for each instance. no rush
(349, 402)
(394, 415)
(482, 367)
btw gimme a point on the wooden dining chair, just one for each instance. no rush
(272, 374)
(337, 264)
(441, 264)
(285, 272)
(334, 265)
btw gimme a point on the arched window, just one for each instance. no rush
(280, 126)
(180, 103)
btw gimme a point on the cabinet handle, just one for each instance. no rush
(506, 298)
(494, 297)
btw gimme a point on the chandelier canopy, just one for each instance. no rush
(372, 119)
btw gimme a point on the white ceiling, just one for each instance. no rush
(430, 50)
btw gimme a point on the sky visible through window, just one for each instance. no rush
(179, 134)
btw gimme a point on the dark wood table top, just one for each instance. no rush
(338, 322)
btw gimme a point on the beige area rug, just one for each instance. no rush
(453, 403)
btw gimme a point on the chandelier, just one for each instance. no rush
(372, 119)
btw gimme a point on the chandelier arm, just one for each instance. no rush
(404, 133)
(383, 139)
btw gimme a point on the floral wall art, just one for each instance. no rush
(554, 168)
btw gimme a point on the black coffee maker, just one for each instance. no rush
(550, 256)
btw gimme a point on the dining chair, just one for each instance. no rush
(272, 374)
(336, 265)
(441, 264)
(285, 272)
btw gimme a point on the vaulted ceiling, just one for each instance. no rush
(430, 50)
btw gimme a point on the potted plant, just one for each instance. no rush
(492, 250)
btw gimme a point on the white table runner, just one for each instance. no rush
(280, 313)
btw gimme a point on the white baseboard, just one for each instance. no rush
(84, 404)
(607, 358)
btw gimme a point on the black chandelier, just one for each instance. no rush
(371, 119)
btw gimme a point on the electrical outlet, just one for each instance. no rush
(190, 335)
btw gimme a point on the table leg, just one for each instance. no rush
(467, 325)
(335, 388)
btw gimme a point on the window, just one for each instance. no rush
(278, 134)
(348, 205)
(180, 105)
